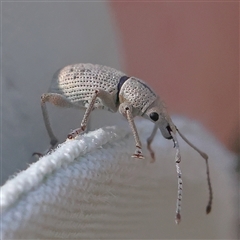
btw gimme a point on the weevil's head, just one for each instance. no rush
(145, 103)
(158, 114)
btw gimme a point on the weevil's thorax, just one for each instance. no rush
(138, 94)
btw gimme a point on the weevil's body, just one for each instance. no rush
(94, 86)
(77, 83)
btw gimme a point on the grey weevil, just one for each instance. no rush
(88, 86)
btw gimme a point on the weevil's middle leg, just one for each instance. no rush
(107, 100)
(85, 119)
(149, 141)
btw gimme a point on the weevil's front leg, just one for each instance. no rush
(149, 141)
(125, 110)
(107, 100)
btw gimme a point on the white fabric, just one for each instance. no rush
(92, 188)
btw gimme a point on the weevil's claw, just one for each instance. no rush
(139, 156)
(151, 153)
(153, 158)
(76, 132)
(71, 135)
(138, 153)
(37, 154)
(208, 209)
(178, 218)
(53, 145)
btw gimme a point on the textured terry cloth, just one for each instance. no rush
(92, 188)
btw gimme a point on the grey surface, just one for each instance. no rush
(38, 38)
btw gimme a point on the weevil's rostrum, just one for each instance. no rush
(88, 86)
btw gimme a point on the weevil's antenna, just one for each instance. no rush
(179, 196)
(205, 156)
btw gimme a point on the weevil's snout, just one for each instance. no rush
(157, 113)
(166, 130)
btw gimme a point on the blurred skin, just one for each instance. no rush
(189, 53)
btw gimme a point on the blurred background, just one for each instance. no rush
(188, 52)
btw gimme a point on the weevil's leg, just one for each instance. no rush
(125, 109)
(149, 141)
(89, 125)
(107, 100)
(58, 100)
(85, 119)
(205, 156)
(179, 173)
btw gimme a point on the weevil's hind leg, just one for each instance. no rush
(149, 141)
(58, 100)
(125, 110)
(205, 156)
(107, 100)
(179, 173)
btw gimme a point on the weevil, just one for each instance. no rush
(88, 86)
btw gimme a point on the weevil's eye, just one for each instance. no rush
(154, 116)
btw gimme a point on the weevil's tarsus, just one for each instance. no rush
(149, 142)
(205, 156)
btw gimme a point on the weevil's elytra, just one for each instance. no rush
(88, 86)
(78, 82)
